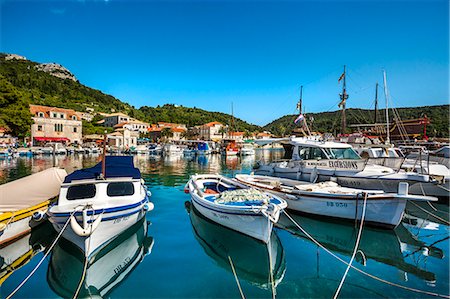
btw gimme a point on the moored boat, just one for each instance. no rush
(331, 200)
(23, 202)
(100, 204)
(235, 205)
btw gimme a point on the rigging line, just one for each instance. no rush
(236, 277)
(43, 258)
(359, 270)
(363, 215)
(431, 214)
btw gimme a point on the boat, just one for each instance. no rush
(172, 149)
(230, 149)
(100, 202)
(204, 148)
(105, 271)
(247, 149)
(328, 199)
(5, 152)
(23, 202)
(235, 205)
(54, 148)
(251, 259)
(155, 150)
(315, 160)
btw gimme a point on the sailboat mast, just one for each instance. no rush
(232, 120)
(376, 103)
(386, 96)
(344, 98)
(299, 105)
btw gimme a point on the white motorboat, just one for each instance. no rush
(24, 202)
(54, 148)
(105, 271)
(172, 149)
(331, 200)
(315, 160)
(100, 205)
(247, 149)
(235, 205)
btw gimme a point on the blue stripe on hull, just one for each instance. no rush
(223, 212)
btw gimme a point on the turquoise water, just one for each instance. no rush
(176, 253)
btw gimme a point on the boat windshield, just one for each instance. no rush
(342, 153)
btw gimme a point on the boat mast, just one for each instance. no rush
(376, 103)
(344, 97)
(299, 105)
(232, 120)
(104, 156)
(386, 96)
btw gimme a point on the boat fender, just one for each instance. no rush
(149, 207)
(149, 193)
(38, 215)
(403, 188)
(87, 231)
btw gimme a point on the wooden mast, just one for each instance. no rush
(344, 97)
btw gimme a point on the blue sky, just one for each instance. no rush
(255, 54)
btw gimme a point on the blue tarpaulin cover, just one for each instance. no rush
(203, 146)
(116, 167)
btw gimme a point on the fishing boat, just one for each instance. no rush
(230, 149)
(100, 202)
(315, 160)
(235, 205)
(331, 200)
(247, 149)
(253, 261)
(204, 148)
(24, 202)
(104, 272)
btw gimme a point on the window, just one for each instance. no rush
(58, 127)
(61, 115)
(120, 189)
(39, 127)
(75, 130)
(41, 114)
(81, 191)
(303, 153)
(343, 153)
(74, 117)
(317, 153)
(54, 115)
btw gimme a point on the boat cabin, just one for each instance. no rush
(305, 149)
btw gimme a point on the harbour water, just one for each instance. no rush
(176, 253)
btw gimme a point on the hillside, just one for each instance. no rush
(24, 82)
(331, 121)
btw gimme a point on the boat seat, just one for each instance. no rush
(210, 191)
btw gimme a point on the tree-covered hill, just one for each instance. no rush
(331, 121)
(22, 83)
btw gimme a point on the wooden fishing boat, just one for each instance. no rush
(331, 200)
(100, 204)
(235, 205)
(23, 202)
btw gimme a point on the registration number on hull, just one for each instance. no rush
(336, 204)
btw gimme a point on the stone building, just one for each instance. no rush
(55, 124)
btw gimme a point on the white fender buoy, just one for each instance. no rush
(84, 232)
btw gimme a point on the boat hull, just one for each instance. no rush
(246, 222)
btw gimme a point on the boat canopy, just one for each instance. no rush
(115, 167)
(203, 146)
(31, 190)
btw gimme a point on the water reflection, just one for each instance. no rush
(398, 248)
(109, 267)
(250, 258)
(17, 254)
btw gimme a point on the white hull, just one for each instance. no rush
(251, 224)
(15, 229)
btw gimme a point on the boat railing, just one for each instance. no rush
(391, 162)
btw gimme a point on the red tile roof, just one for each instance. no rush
(35, 109)
(213, 123)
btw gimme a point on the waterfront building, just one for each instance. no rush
(55, 124)
(115, 118)
(211, 131)
(237, 136)
(177, 130)
(123, 138)
(134, 125)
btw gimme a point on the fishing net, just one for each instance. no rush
(242, 195)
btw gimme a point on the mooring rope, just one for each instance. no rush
(355, 250)
(269, 246)
(43, 258)
(236, 277)
(361, 271)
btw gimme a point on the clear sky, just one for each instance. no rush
(255, 54)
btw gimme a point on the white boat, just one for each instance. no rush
(100, 206)
(331, 200)
(247, 149)
(172, 149)
(23, 202)
(105, 271)
(54, 147)
(155, 150)
(142, 149)
(315, 160)
(235, 205)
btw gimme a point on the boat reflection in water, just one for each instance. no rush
(105, 270)
(390, 247)
(249, 256)
(17, 254)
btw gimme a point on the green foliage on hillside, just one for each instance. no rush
(192, 117)
(331, 121)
